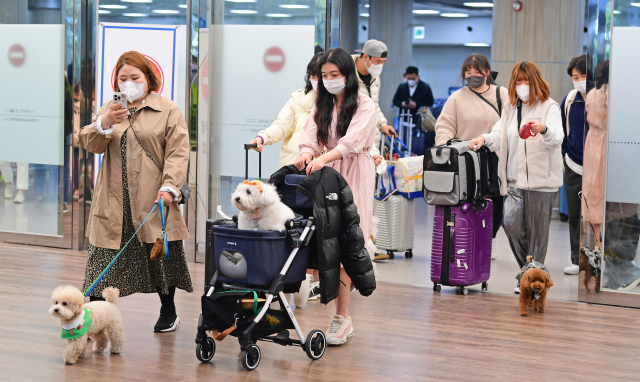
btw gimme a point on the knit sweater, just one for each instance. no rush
(467, 116)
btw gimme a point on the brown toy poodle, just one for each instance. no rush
(534, 284)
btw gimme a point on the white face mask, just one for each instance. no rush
(412, 83)
(334, 86)
(133, 90)
(523, 92)
(580, 86)
(314, 84)
(374, 70)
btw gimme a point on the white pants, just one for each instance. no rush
(23, 174)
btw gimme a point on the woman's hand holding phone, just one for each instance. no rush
(115, 115)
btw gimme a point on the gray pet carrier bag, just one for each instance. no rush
(451, 174)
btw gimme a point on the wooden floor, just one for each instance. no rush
(401, 334)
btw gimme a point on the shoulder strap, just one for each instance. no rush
(567, 106)
(485, 100)
(141, 145)
(499, 100)
(519, 106)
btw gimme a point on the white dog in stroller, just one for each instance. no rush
(260, 207)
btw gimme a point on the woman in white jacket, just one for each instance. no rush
(292, 118)
(530, 169)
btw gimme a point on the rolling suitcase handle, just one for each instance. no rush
(248, 146)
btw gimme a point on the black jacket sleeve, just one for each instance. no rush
(398, 98)
(426, 96)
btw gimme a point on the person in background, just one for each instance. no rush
(572, 111)
(292, 117)
(414, 94)
(343, 121)
(23, 180)
(530, 169)
(472, 111)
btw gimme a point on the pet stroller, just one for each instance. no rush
(253, 270)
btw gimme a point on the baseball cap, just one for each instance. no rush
(375, 48)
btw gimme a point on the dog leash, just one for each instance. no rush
(164, 228)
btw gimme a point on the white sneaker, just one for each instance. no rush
(340, 330)
(8, 191)
(517, 290)
(19, 198)
(572, 270)
(493, 249)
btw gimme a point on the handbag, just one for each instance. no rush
(185, 190)
(428, 120)
(161, 246)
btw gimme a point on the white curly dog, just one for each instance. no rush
(260, 207)
(100, 320)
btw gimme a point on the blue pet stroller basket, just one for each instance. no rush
(273, 260)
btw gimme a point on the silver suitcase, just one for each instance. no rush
(395, 225)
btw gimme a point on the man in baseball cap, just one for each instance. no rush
(369, 65)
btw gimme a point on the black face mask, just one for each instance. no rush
(476, 81)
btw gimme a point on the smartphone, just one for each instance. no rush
(120, 98)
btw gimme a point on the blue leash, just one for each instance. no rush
(166, 246)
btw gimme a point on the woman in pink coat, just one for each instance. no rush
(344, 121)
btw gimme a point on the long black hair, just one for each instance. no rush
(312, 70)
(324, 104)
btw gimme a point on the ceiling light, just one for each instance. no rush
(294, 6)
(106, 6)
(137, 1)
(454, 15)
(103, 11)
(425, 12)
(244, 11)
(182, 5)
(635, 4)
(477, 44)
(364, 15)
(165, 11)
(278, 15)
(616, 12)
(366, 5)
(135, 14)
(478, 5)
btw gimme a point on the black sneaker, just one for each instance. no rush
(314, 291)
(167, 322)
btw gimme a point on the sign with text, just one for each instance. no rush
(32, 74)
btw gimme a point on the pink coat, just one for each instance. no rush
(595, 155)
(356, 165)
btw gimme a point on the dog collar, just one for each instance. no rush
(78, 327)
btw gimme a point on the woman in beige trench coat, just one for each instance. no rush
(129, 183)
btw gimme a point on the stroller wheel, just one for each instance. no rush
(315, 345)
(205, 355)
(250, 362)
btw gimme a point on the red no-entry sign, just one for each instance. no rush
(16, 55)
(274, 59)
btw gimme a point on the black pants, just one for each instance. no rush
(572, 187)
(498, 210)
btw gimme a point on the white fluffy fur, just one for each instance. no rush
(271, 212)
(106, 325)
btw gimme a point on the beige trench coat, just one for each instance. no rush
(161, 127)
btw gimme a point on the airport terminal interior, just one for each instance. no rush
(228, 67)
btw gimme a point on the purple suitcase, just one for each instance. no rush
(462, 243)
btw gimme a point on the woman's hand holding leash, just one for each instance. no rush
(537, 127)
(167, 198)
(115, 115)
(302, 160)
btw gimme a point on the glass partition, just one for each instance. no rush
(36, 113)
(259, 51)
(610, 198)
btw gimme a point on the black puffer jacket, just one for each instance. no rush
(339, 238)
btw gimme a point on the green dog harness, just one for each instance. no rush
(78, 327)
